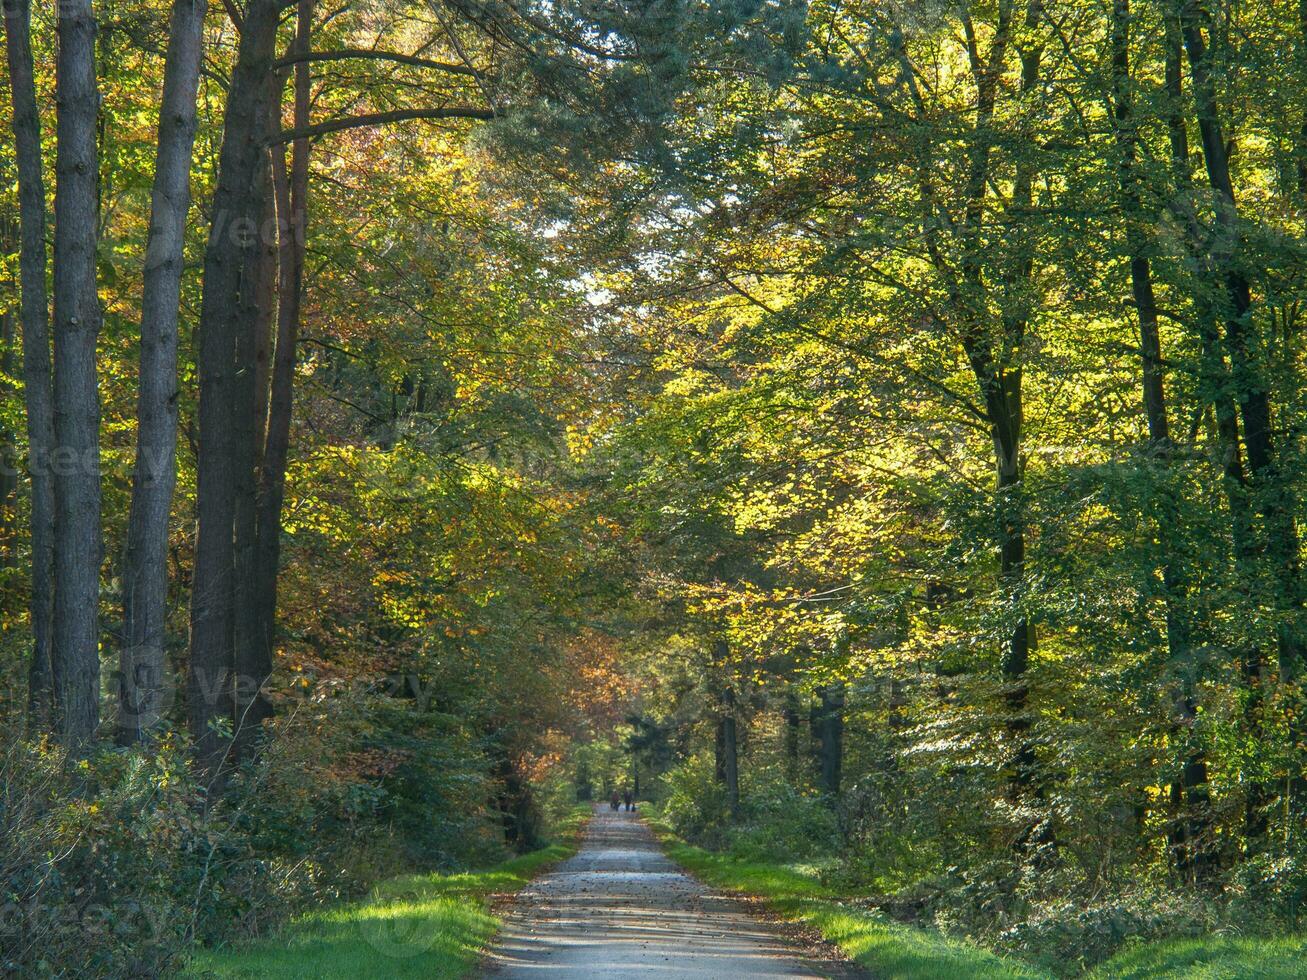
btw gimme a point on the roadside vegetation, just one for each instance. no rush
(801, 893)
(434, 925)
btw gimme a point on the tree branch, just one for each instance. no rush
(381, 118)
(371, 54)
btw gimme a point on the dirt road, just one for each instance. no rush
(620, 907)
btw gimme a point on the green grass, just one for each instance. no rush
(892, 951)
(1209, 958)
(886, 949)
(429, 926)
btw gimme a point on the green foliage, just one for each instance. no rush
(777, 822)
(111, 864)
(1074, 937)
(694, 802)
(410, 926)
(676, 392)
(884, 948)
(116, 864)
(1069, 937)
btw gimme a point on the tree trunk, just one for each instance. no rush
(145, 564)
(1302, 88)
(730, 757)
(719, 749)
(253, 665)
(1218, 254)
(8, 448)
(291, 195)
(792, 720)
(37, 393)
(726, 745)
(830, 734)
(234, 236)
(1001, 385)
(1191, 797)
(1141, 279)
(76, 461)
(999, 382)
(1271, 496)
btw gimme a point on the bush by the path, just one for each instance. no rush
(428, 926)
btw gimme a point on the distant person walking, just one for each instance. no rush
(629, 799)
(615, 802)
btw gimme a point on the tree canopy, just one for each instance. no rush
(872, 428)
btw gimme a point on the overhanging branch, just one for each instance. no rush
(380, 119)
(371, 54)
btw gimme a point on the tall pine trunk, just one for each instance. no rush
(35, 317)
(145, 565)
(76, 460)
(234, 236)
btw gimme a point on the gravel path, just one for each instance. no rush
(621, 907)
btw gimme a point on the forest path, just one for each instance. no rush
(619, 906)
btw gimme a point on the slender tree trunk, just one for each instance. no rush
(719, 749)
(1270, 495)
(1216, 384)
(145, 564)
(830, 734)
(291, 192)
(8, 448)
(234, 236)
(266, 291)
(37, 390)
(1015, 660)
(76, 462)
(730, 764)
(1191, 852)
(727, 736)
(252, 664)
(1000, 386)
(790, 712)
(999, 383)
(1302, 93)
(1141, 279)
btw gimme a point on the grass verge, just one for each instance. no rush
(1209, 958)
(892, 951)
(884, 948)
(430, 926)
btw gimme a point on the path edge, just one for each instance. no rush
(573, 831)
(813, 947)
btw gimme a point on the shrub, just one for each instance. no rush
(1067, 936)
(776, 821)
(694, 803)
(108, 863)
(116, 864)
(781, 823)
